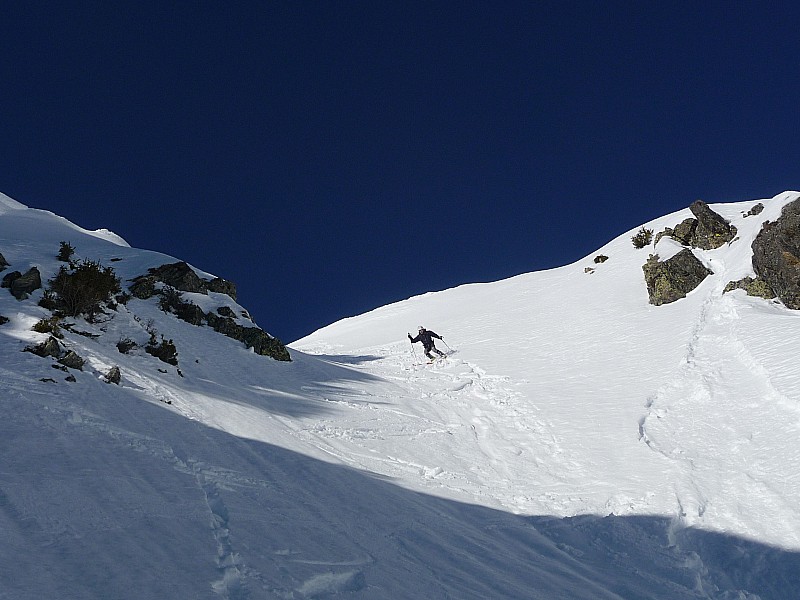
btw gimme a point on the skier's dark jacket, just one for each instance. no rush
(425, 337)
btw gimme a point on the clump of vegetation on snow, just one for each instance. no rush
(81, 289)
(643, 237)
(65, 252)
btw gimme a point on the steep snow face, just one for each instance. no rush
(577, 442)
(570, 394)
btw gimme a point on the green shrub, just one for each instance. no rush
(164, 351)
(125, 345)
(642, 238)
(83, 289)
(65, 252)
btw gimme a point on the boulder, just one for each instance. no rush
(9, 278)
(3, 263)
(684, 232)
(114, 375)
(180, 276)
(50, 347)
(712, 230)
(3, 320)
(72, 360)
(756, 210)
(776, 255)
(670, 280)
(753, 287)
(24, 285)
(708, 230)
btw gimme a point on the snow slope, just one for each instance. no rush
(578, 442)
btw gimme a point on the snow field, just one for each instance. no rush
(579, 443)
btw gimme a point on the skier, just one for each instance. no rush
(426, 337)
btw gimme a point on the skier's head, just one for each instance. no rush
(421, 328)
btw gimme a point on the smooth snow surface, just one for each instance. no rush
(577, 442)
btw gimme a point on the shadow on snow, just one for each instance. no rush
(104, 501)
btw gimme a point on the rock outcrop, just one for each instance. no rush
(776, 255)
(753, 287)
(712, 230)
(670, 280)
(182, 277)
(224, 322)
(3, 263)
(707, 230)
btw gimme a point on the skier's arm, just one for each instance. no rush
(413, 340)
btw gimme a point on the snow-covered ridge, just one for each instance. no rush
(577, 442)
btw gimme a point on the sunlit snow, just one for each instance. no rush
(577, 442)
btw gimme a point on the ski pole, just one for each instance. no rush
(413, 353)
(446, 344)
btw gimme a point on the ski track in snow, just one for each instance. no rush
(682, 415)
(714, 452)
(450, 407)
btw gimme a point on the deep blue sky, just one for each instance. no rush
(332, 157)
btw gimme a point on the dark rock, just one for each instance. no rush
(3, 320)
(756, 210)
(72, 360)
(50, 347)
(3, 263)
(712, 230)
(24, 285)
(754, 287)
(70, 378)
(253, 337)
(684, 231)
(226, 311)
(589, 270)
(670, 280)
(172, 301)
(9, 278)
(48, 380)
(600, 258)
(114, 375)
(179, 276)
(776, 255)
(222, 286)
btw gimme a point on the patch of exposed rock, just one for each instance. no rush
(3, 263)
(223, 322)
(182, 277)
(670, 280)
(707, 230)
(753, 287)
(756, 210)
(21, 286)
(776, 255)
